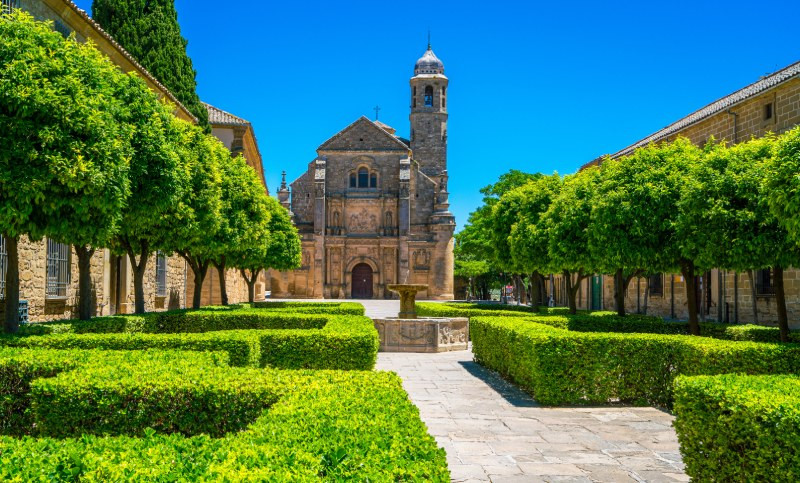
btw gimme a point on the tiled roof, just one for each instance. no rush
(218, 116)
(96, 26)
(720, 105)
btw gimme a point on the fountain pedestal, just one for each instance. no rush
(408, 333)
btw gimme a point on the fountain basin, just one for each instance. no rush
(427, 334)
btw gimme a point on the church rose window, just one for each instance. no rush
(428, 96)
(363, 178)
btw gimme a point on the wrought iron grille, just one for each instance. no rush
(161, 275)
(656, 284)
(3, 267)
(7, 5)
(58, 268)
(764, 284)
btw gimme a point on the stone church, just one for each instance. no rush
(372, 209)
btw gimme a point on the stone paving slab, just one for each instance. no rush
(493, 431)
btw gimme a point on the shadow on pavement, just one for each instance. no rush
(514, 395)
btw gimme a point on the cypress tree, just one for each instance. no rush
(149, 31)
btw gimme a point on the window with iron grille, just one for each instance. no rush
(3, 267)
(7, 5)
(656, 284)
(161, 275)
(58, 267)
(764, 282)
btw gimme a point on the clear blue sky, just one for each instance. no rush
(536, 87)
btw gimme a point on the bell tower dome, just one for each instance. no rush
(429, 114)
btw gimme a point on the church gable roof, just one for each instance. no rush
(363, 135)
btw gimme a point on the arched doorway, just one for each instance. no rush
(362, 281)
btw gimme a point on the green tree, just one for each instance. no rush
(280, 251)
(568, 220)
(155, 178)
(63, 166)
(244, 220)
(527, 240)
(149, 31)
(475, 240)
(189, 228)
(780, 175)
(635, 213)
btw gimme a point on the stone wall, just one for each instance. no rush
(111, 277)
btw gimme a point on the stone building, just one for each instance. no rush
(48, 269)
(372, 208)
(771, 104)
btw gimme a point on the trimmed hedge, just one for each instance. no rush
(739, 428)
(464, 309)
(604, 321)
(337, 308)
(196, 420)
(565, 367)
(250, 337)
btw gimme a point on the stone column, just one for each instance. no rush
(319, 227)
(404, 220)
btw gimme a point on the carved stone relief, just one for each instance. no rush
(363, 222)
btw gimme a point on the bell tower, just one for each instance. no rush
(429, 114)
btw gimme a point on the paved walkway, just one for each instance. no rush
(493, 431)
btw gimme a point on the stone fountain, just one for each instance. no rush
(408, 333)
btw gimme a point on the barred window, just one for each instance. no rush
(428, 96)
(58, 267)
(161, 275)
(3, 267)
(7, 5)
(764, 282)
(656, 284)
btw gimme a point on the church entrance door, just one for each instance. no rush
(362, 281)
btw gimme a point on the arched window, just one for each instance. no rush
(373, 180)
(414, 97)
(352, 180)
(428, 96)
(444, 98)
(363, 178)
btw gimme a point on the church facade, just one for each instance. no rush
(372, 208)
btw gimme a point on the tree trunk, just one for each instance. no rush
(251, 283)
(223, 289)
(780, 298)
(199, 270)
(138, 274)
(84, 253)
(11, 324)
(646, 293)
(753, 294)
(619, 292)
(687, 270)
(572, 289)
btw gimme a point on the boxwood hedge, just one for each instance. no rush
(565, 367)
(604, 321)
(152, 415)
(252, 337)
(739, 428)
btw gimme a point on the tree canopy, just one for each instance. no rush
(149, 31)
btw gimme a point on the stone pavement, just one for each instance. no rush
(493, 431)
